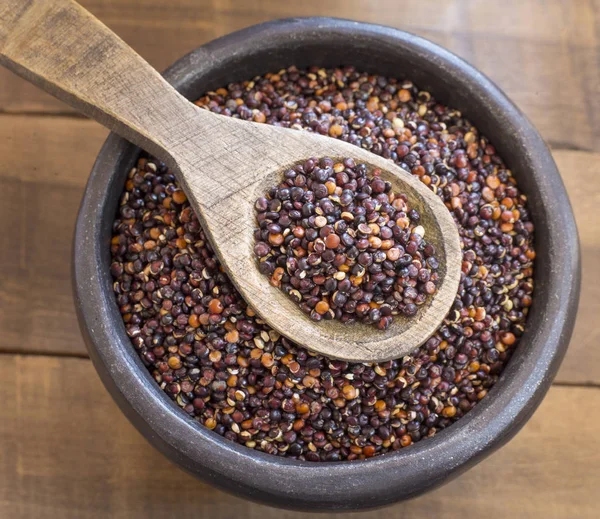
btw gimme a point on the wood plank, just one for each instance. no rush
(581, 174)
(544, 54)
(45, 166)
(67, 451)
(47, 161)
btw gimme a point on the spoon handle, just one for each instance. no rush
(66, 51)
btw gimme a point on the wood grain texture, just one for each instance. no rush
(543, 53)
(67, 451)
(36, 309)
(223, 165)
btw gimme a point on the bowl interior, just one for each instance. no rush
(329, 43)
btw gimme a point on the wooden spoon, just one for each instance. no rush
(222, 164)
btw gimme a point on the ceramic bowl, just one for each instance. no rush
(431, 462)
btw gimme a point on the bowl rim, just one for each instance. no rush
(364, 484)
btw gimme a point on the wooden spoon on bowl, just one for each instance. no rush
(222, 164)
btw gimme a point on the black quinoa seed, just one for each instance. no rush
(194, 332)
(305, 233)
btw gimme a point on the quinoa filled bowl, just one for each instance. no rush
(241, 407)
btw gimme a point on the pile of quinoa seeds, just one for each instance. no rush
(343, 245)
(227, 369)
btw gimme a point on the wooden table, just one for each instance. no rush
(67, 451)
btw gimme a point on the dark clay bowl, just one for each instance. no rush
(431, 462)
